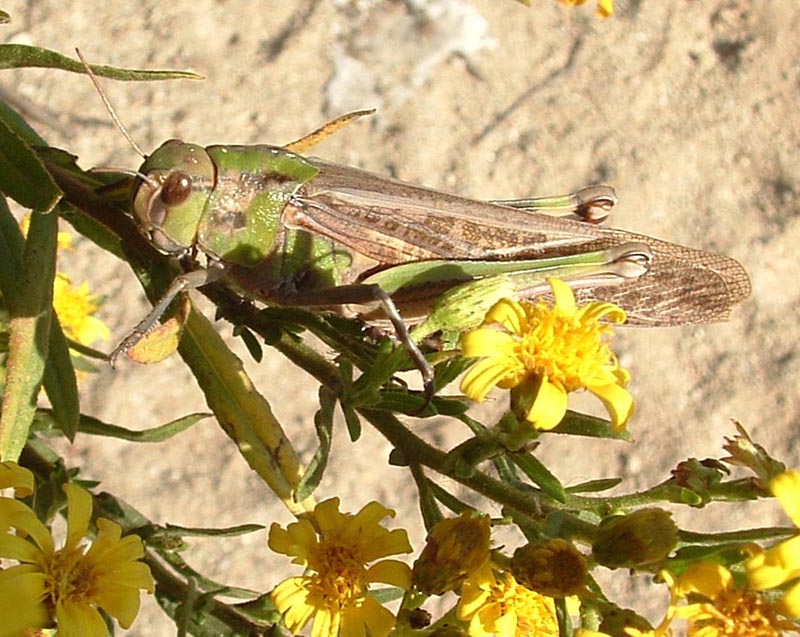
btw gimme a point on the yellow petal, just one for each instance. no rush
(370, 514)
(485, 341)
(79, 620)
(509, 314)
(564, 296)
(291, 600)
(618, 401)
(391, 543)
(605, 8)
(549, 406)
(791, 601)
(392, 572)
(595, 311)
(121, 602)
(328, 516)
(16, 477)
(17, 515)
(706, 578)
(774, 566)
(786, 487)
(482, 377)
(326, 623)
(20, 607)
(295, 541)
(79, 512)
(506, 625)
(378, 620)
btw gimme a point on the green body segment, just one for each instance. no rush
(241, 222)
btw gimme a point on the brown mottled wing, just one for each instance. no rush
(392, 222)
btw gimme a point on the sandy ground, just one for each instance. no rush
(688, 108)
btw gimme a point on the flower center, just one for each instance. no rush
(70, 577)
(566, 349)
(340, 573)
(739, 614)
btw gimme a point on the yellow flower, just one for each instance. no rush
(781, 563)
(720, 608)
(455, 548)
(605, 8)
(495, 604)
(554, 349)
(68, 584)
(336, 548)
(75, 308)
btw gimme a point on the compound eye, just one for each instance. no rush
(176, 188)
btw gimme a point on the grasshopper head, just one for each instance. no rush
(171, 196)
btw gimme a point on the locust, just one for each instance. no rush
(285, 228)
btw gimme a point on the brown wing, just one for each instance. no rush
(392, 222)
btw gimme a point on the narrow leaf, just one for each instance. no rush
(59, 375)
(323, 422)
(594, 486)
(23, 177)
(18, 124)
(540, 475)
(13, 56)
(196, 531)
(89, 425)
(31, 309)
(578, 424)
(243, 413)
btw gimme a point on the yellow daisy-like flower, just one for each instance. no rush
(75, 308)
(495, 604)
(720, 608)
(336, 548)
(605, 8)
(68, 584)
(781, 563)
(555, 349)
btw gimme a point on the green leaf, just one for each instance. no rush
(60, 383)
(578, 424)
(14, 56)
(595, 486)
(89, 425)
(59, 376)
(196, 531)
(243, 413)
(323, 422)
(18, 124)
(31, 308)
(540, 475)
(250, 342)
(261, 610)
(23, 177)
(449, 500)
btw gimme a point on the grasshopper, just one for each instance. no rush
(293, 230)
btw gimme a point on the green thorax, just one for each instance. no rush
(241, 219)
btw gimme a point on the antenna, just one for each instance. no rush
(109, 108)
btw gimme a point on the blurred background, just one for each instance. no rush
(688, 109)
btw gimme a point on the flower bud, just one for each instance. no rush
(642, 538)
(554, 568)
(456, 547)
